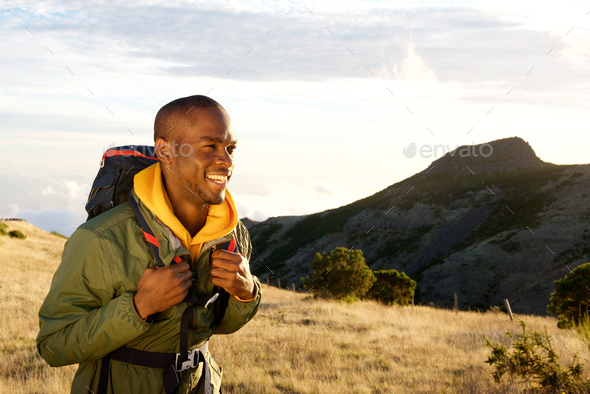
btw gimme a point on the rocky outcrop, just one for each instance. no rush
(507, 154)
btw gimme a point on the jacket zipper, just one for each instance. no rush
(215, 245)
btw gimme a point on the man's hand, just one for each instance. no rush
(159, 289)
(232, 272)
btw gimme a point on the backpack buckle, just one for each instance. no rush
(211, 300)
(189, 362)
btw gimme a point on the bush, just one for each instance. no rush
(392, 287)
(58, 234)
(571, 299)
(341, 275)
(534, 362)
(17, 234)
(3, 228)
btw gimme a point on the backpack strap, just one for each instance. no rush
(221, 302)
(147, 231)
(103, 379)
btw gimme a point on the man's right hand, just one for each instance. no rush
(159, 289)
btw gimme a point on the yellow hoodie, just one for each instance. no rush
(221, 219)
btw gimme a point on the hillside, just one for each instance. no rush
(486, 228)
(294, 345)
(27, 268)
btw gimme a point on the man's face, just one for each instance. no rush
(203, 174)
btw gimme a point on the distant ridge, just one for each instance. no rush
(249, 222)
(486, 228)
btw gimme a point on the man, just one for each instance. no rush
(108, 302)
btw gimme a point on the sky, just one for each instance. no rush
(324, 96)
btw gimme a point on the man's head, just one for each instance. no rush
(194, 142)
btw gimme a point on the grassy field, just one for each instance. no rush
(294, 345)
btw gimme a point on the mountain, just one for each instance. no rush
(501, 225)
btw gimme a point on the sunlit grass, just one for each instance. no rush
(294, 345)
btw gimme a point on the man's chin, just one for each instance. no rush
(216, 200)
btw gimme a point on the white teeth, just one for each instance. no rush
(217, 177)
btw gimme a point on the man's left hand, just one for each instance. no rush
(231, 271)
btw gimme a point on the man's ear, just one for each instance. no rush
(163, 150)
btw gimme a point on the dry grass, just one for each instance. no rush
(27, 268)
(294, 345)
(329, 347)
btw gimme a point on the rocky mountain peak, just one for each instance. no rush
(505, 154)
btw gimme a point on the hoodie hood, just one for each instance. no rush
(221, 219)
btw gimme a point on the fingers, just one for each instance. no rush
(180, 267)
(223, 273)
(185, 276)
(186, 284)
(223, 265)
(224, 254)
(221, 282)
(230, 262)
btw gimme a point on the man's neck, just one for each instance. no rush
(192, 217)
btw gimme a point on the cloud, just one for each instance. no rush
(292, 198)
(48, 203)
(307, 91)
(463, 43)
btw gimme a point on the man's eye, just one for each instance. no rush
(231, 149)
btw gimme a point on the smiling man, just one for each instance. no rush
(138, 328)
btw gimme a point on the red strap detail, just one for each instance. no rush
(114, 152)
(232, 246)
(231, 213)
(177, 259)
(151, 239)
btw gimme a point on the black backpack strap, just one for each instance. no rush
(104, 374)
(223, 299)
(147, 231)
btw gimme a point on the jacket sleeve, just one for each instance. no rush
(80, 319)
(238, 313)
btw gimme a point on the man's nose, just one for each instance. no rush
(226, 158)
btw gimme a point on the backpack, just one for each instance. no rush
(115, 176)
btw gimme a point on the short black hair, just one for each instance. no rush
(172, 115)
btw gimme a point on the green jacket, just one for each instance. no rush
(89, 309)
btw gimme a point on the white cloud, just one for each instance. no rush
(309, 114)
(49, 203)
(292, 198)
(414, 70)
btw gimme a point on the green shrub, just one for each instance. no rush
(17, 234)
(3, 228)
(342, 275)
(58, 234)
(532, 361)
(571, 298)
(392, 287)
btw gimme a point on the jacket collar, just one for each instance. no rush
(169, 244)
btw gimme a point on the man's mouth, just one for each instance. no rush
(218, 179)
